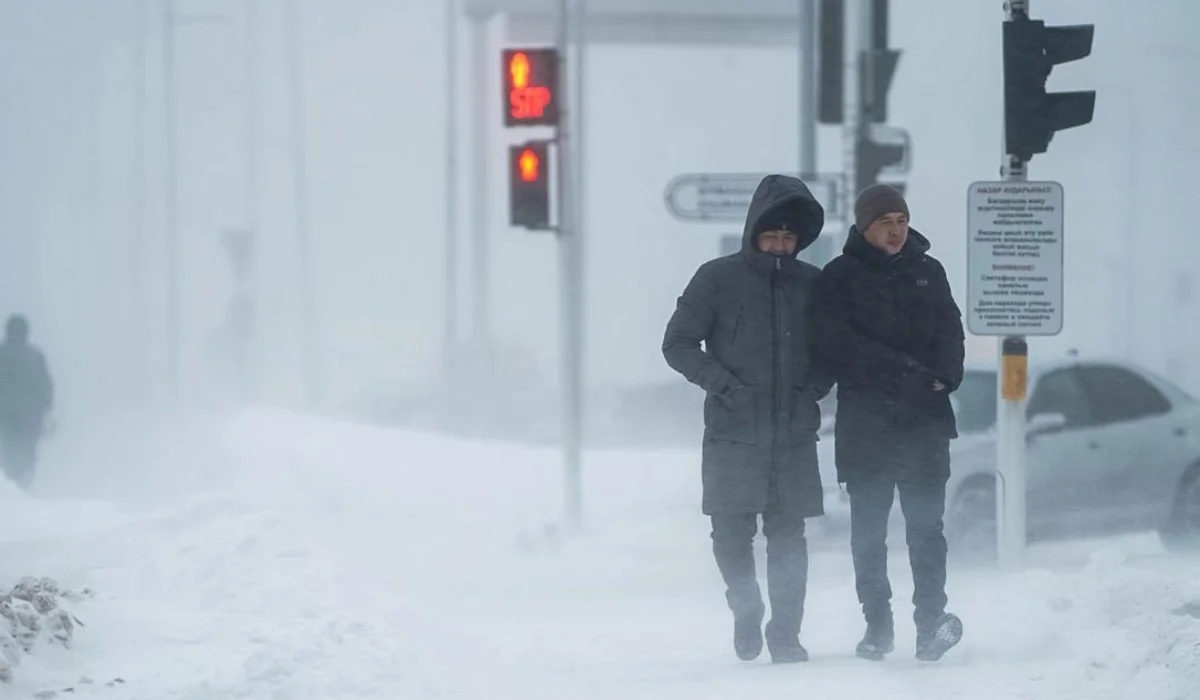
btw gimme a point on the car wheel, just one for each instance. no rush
(972, 524)
(1181, 531)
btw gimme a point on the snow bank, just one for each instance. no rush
(1140, 642)
(32, 613)
(1104, 629)
(332, 560)
(227, 597)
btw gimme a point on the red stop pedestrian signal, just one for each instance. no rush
(530, 87)
(528, 165)
(529, 185)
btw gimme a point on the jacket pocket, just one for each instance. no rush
(731, 418)
(926, 408)
(804, 418)
(728, 346)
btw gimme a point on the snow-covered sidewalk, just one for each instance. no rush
(328, 560)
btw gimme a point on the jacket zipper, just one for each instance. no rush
(775, 359)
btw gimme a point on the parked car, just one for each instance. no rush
(1110, 448)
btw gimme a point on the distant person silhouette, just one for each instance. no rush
(26, 396)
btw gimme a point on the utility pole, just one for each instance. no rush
(139, 350)
(480, 227)
(247, 358)
(571, 253)
(450, 338)
(308, 344)
(171, 164)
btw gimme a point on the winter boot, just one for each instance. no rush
(747, 637)
(747, 632)
(879, 640)
(784, 645)
(933, 642)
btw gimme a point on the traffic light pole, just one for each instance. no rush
(807, 86)
(480, 239)
(854, 29)
(1010, 424)
(1031, 118)
(571, 272)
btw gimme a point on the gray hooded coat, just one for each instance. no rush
(750, 311)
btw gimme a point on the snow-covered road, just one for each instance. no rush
(300, 558)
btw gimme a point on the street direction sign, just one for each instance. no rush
(716, 197)
(1015, 258)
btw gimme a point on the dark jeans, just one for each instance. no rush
(19, 452)
(922, 501)
(787, 566)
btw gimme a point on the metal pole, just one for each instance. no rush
(577, 276)
(309, 355)
(481, 62)
(1010, 491)
(1131, 260)
(854, 33)
(571, 259)
(450, 235)
(807, 86)
(247, 357)
(139, 345)
(171, 163)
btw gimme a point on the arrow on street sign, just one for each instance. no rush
(726, 197)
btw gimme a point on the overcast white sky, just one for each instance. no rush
(375, 121)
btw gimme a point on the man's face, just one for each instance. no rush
(888, 233)
(777, 242)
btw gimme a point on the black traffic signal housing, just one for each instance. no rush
(1031, 115)
(877, 64)
(880, 150)
(831, 49)
(529, 185)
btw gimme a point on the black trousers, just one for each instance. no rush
(18, 448)
(917, 472)
(787, 566)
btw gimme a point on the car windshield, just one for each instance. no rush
(975, 402)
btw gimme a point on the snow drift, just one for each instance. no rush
(319, 559)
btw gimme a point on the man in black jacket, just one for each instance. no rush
(891, 335)
(759, 454)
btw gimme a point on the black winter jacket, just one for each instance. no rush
(886, 328)
(740, 331)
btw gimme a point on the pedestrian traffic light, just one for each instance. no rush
(876, 64)
(1031, 115)
(530, 87)
(529, 185)
(881, 154)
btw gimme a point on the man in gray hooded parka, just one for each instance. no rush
(759, 455)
